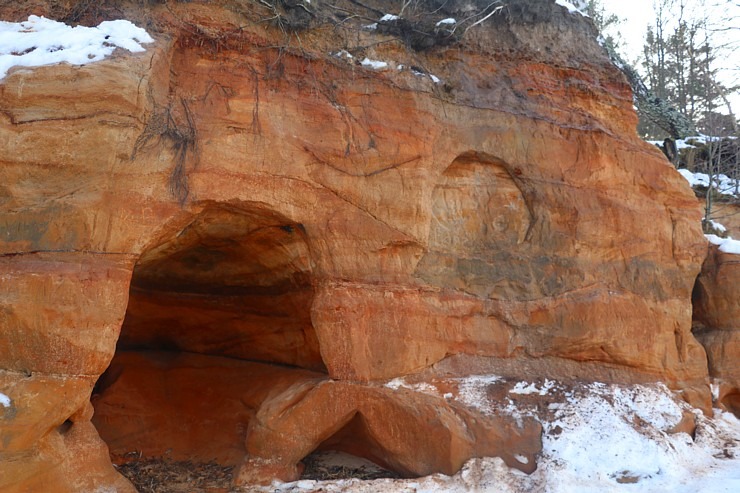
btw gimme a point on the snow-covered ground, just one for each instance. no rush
(40, 41)
(596, 438)
(690, 141)
(721, 183)
(725, 186)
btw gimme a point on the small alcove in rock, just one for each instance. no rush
(218, 318)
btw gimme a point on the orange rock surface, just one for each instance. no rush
(717, 322)
(238, 191)
(186, 406)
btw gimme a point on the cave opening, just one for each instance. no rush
(219, 317)
(217, 327)
(352, 452)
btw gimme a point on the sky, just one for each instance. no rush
(637, 14)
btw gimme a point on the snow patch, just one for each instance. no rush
(448, 21)
(40, 41)
(726, 245)
(342, 54)
(419, 73)
(718, 226)
(371, 27)
(472, 392)
(723, 184)
(388, 18)
(596, 437)
(4, 400)
(374, 64)
(524, 388)
(423, 387)
(396, 383)
(614, 439)
(571, 8)
(689, 142)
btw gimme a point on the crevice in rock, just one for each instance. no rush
(731, 402)
(713, 306)
(63, 428)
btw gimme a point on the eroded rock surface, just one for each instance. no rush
(184, 406)
(717, 322)
(241, 191)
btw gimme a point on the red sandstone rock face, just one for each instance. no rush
(234, 193)
(717, 326)
(206, 408)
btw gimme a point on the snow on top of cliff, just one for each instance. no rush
(374, 64)
(579, 7)
(41, 41)
(597, 437)
(726, 245)
(691, 141)
(4, 400)
(723, 184)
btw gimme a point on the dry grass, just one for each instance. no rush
(317, 468)
(167, 476)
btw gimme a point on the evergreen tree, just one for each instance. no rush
(679, 66)
(606, 23)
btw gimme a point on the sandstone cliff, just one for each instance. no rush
(257, 189)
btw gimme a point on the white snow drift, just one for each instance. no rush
(596, 437)
(41, 41)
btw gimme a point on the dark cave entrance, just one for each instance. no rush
(352, 452)
(219, 317)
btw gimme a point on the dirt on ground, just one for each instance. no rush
(154, 475)
(168, 476)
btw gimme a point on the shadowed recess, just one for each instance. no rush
(234, 282)
(218, 318)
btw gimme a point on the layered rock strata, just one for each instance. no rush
(247, 190)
